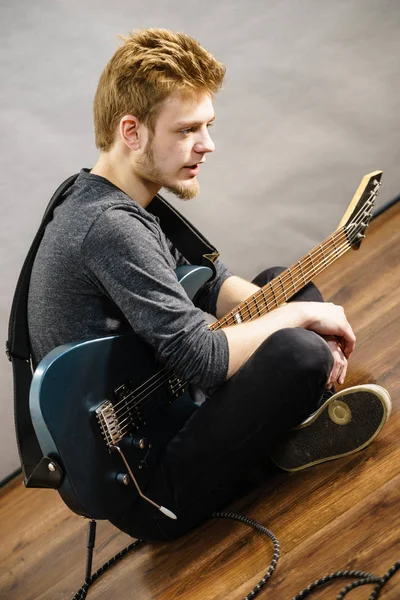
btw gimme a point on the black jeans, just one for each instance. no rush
(206, 464)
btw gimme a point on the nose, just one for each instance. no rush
(205, 144)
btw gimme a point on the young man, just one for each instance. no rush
(105, 266)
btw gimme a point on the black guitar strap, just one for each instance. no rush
(38, 470)
(189, 241)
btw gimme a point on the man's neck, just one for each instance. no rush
(120, 172)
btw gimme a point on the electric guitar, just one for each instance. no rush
(103, 410)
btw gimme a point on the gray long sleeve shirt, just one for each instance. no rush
(104, 266)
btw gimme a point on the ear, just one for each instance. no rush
(130, 131)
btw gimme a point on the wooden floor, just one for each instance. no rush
(341, 515)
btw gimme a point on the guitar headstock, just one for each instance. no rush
(359, 213)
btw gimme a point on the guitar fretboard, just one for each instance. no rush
(284, 286)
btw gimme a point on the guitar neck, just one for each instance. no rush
(284, 286)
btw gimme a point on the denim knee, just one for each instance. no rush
(267, 275)
(303, 353)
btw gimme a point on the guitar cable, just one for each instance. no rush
(361, 577)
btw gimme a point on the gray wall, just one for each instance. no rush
(310, 104)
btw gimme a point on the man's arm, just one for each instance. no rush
(320, 317)
(324, 318)
(125, 256)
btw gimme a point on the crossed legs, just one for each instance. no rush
(206, 463)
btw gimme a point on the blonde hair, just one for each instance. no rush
(150, 65)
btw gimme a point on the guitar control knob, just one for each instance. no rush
(123, 478)
(139, 443)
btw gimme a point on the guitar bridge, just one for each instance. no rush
(109, 424)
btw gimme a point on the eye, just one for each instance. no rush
(189, 130)
(186, 131)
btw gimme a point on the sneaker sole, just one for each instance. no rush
(346, 423)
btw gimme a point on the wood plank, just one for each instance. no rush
(372, 546)
(342, 514)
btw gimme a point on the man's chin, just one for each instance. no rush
(184, 192)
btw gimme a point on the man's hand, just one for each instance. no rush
(340, 363)
(328, 319)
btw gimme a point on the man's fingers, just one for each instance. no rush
(339, 369)
(343, 374)
(329, 319)
(343, 371)
(348, 341)
(349, 347)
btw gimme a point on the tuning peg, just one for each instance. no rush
(364, 224)
(360, 236)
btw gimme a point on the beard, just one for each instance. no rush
(184, 192)
(148, 170)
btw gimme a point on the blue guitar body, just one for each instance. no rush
(85, 396)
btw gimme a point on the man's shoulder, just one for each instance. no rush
(92, 191)
(94, 200)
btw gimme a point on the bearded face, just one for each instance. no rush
(177, 147)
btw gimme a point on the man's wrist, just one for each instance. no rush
(303, 316)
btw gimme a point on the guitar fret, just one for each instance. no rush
(256, 303)
(248, 310)
(291, 278)
(283, 287)
(273, 293)
(302, 272)
(312, 262)
(334, 245)
(237, 316)
(265, 300)
(323, 255)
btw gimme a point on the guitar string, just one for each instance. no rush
(253, 313)
(152, 403)
(161, 381)
(291, 277)
(180, 385)
(272, 298)
(260, 294)
(156, 385)
(328, 260)
(314, 271)
(146, 402)
(314, 267)
(140, 398)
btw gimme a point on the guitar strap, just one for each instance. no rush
(189, 241)
(37, 469)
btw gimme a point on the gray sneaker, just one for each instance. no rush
(345, 423)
